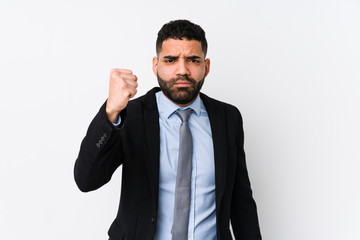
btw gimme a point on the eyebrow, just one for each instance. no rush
(171, 57)
(176, 57)
(193, 57)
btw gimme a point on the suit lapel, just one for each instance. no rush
(152, 137)
(217, 122)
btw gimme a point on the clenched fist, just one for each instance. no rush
(122, 87)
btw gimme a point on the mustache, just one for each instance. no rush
(183, 78)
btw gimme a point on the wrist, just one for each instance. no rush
(112, 114)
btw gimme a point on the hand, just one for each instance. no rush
(122, 87)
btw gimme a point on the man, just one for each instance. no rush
(184, 172)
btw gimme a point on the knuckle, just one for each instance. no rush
(114, 74)
(113, 71)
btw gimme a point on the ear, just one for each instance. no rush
(207, 66)
(155, 62)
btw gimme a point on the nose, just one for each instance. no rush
(182, 68)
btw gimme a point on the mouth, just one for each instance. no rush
(182, 84)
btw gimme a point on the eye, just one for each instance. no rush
(169, 60)
(193, 60)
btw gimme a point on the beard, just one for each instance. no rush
(180, 95)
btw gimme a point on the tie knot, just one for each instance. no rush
(184, 114)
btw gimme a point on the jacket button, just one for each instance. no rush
(153, 220)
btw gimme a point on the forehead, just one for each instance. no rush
(184, 47)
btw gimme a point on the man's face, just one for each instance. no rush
(181, 68)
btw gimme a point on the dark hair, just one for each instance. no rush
(180, 29)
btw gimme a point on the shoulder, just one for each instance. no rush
(215, 105)
(225, 115)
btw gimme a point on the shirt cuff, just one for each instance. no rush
(118, 122)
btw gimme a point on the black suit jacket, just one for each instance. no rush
(136, 145)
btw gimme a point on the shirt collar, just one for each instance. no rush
(167, 107)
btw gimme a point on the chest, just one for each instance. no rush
(203, 166)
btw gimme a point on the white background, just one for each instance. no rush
(291, 67)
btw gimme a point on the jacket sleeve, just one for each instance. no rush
(244, 218)
(100, 152)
